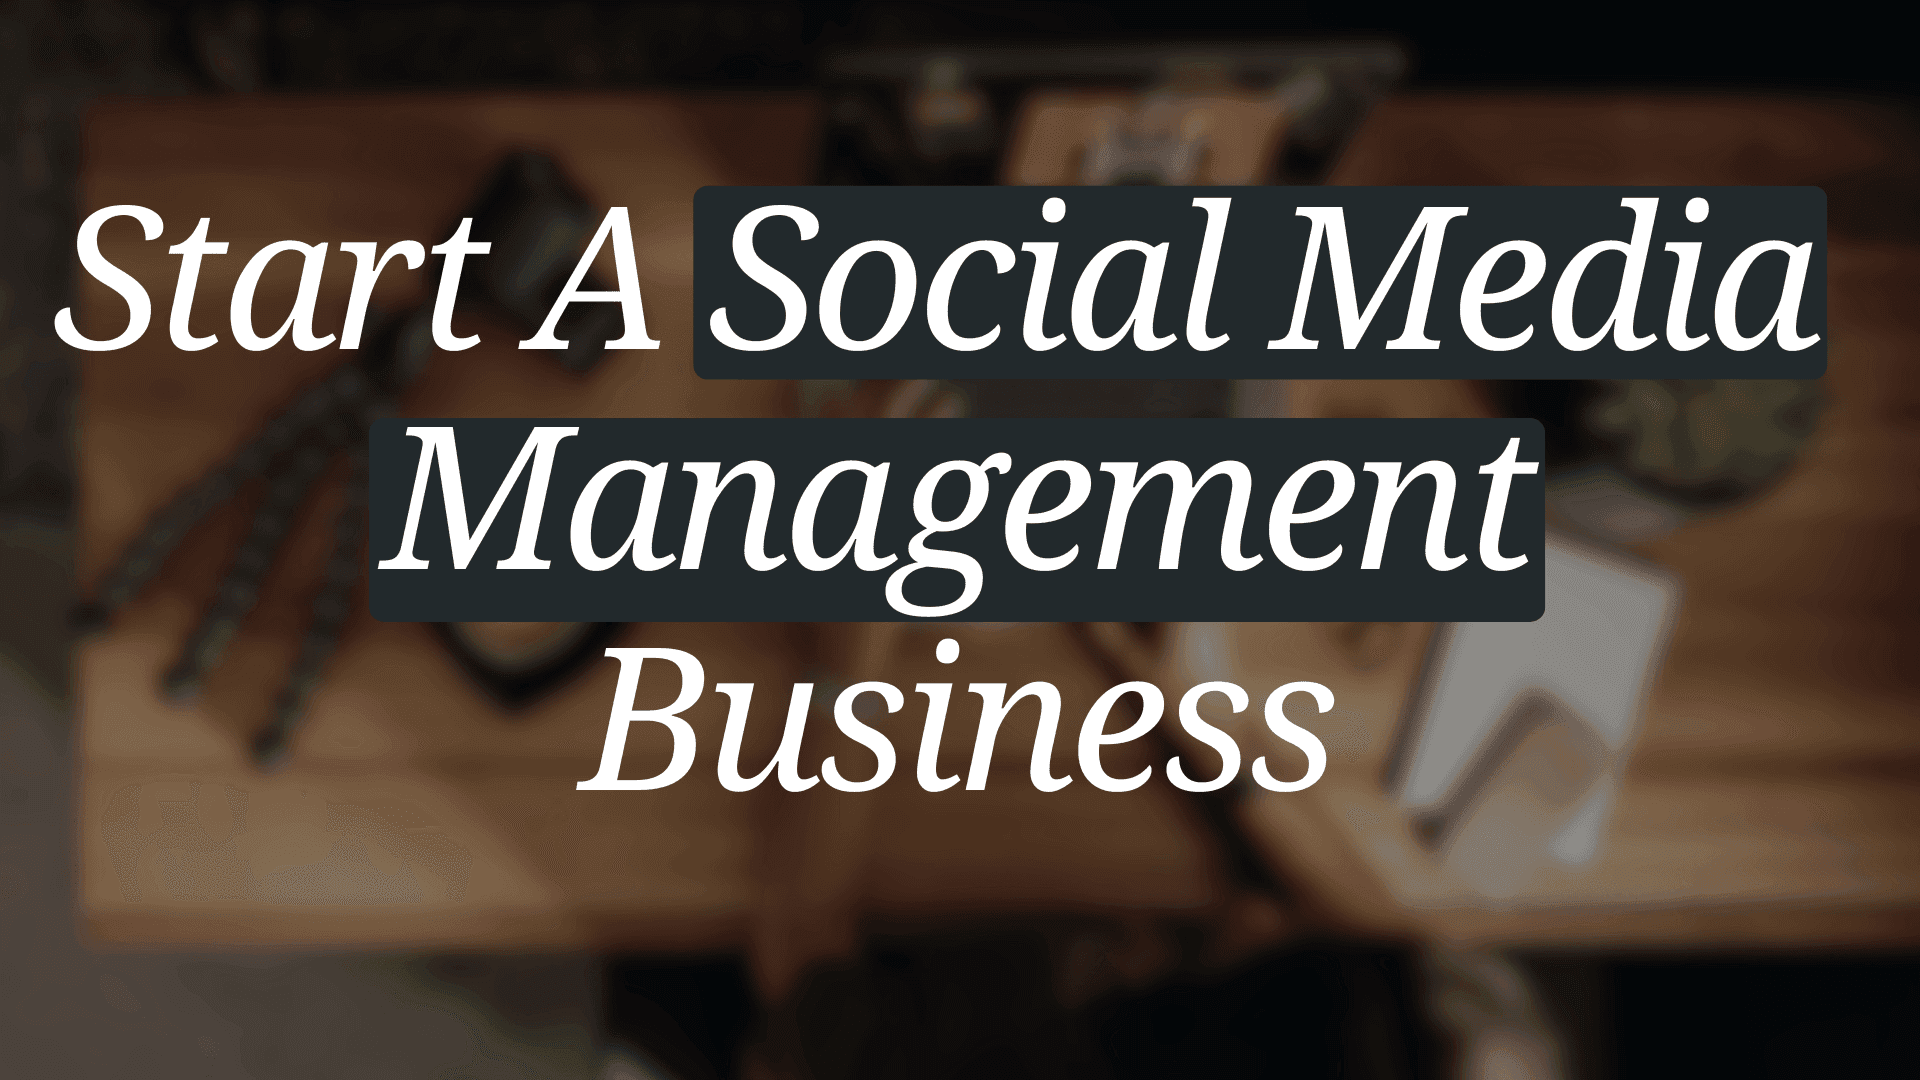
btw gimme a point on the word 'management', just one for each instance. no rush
(981, 520)
(1274, 282)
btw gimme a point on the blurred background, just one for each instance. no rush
(250, 832)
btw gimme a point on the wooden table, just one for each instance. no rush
(1769, 801)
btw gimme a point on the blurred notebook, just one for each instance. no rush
(1514, 735)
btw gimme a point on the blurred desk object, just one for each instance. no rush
(1771, 798)
(412, 811)
(1225, 111)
